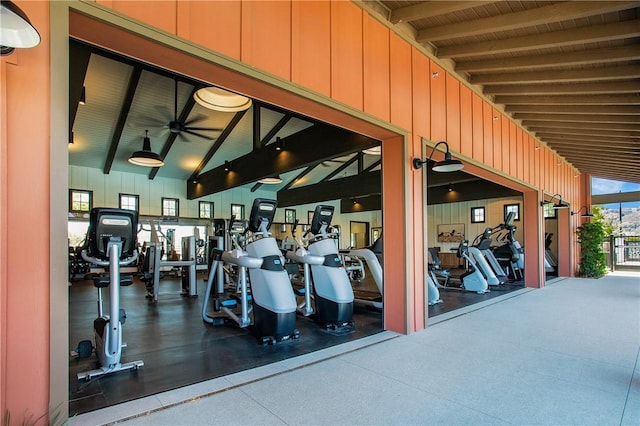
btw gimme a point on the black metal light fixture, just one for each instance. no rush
(146, 157)
(279, 144)
(16, 30)
(587, 213)
(445, 166)
(227, 165)
(450, 189)
(559, 205)
(83, 96)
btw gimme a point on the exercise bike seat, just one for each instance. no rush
(103, 280)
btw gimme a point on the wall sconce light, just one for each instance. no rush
(587, 213)
(447, 165)
(355, 201)
(146, 157)
(450, 189)
(16, 29)
(279, 144)
(559, 205)
(271, 180)
(83, 96)
(227, 165)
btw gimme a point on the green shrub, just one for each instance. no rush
(593, 263)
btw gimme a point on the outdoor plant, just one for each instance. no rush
(593, 263)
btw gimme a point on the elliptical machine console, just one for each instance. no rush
(111, 241)
(333, 293)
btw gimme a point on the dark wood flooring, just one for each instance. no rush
(179, 349)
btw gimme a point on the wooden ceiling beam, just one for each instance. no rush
(299, 176)
(544, 15)
(430, 9)
(216, 145)
(581, 35)
(342, 167)
(624, 72)
(610, 87)
(361, 185)
(307, 147)
(122, 118)
(614, 134)
(275, 129)
(591, 145)
(576, 109)
(547, 60)
(577, 118)
(609, 99)
(542, 123)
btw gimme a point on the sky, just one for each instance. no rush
(605, 186)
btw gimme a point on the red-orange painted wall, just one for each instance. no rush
(323, 46)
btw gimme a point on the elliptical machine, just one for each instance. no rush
(272, 300)
(472, 279)
(332, 289)
(111, 241)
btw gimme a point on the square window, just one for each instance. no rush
(205, 210)
(289, 216)
(170, 207)
(80, 201)
(129, 201)
(515, 208)
(237, 211)
(477, 214)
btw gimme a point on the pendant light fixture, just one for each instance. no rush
(271, 180)
(16, 29)
(146, 157)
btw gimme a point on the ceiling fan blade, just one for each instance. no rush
(206, 129)
(198, 118)
(200, 135)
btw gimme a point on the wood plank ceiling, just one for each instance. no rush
(567, 71)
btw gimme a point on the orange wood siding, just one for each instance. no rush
(513, 149)
(466, 122)
(161, 15)
(311, 45)
(346, 53)
(478, 128)
(438, 104)
(194, 23)
(266, 36)
(421, 95)
(401, 95)
(376, 70)
(487, 125)
(506, 143)
(453, 113)
(496, 118)
(520, 150)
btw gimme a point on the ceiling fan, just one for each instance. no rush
(178, 127)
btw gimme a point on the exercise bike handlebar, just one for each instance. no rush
(241, 258)
(302, 256)
(101, 262)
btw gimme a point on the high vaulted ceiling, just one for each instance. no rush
(568, 72)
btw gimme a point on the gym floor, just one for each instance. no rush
(178, 349)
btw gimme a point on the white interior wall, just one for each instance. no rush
(453, 213)
(106, 190)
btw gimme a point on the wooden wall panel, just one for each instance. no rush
(346, 53)
(487, 125)
(478, 128)
(266, 36)
(223, 37)
(506, 143)
(520, 150)
(400, 56)
(162, 15)
(421, 93)
(513, 149)
(466, 122)
(376, 72)
(438, 104)
(496, 121)
(453, 113)
(311, 45)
